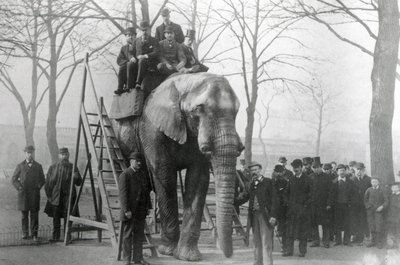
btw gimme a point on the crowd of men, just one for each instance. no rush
(167, 53)
(349, 206)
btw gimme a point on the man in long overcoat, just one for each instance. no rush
(134, 194)
(298, 197)
(57, 187)
(358, 212)
(341, 197)
(263, 204)
(321, 185)
(28, 179)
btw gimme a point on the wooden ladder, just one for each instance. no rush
(103, 150)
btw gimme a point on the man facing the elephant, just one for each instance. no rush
(263, 205)
(134, 193)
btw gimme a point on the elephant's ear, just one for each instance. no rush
(163, 111)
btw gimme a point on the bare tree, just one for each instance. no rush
(258, 27)
(367, 14)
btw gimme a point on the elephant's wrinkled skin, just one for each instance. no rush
(185, 120)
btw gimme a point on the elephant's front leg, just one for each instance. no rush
(165, 182)
(196, 186)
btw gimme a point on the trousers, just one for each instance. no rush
(133, 236)
(34, 222)
(263, 236)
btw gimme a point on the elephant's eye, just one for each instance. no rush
(199, 109)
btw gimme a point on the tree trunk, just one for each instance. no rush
(383, 85)
(319, 131)
(248, 139)
(133, 13)
(145, 10)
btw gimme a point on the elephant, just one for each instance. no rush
(188, 122)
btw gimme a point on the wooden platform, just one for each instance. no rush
(127, 104)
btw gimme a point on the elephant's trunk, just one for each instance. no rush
(224, 165)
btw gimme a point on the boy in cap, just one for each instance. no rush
(134, 194)
(147, 53)
(393, 217)
(263, 205)
(126, 60)
(165, 14)
(376, 201)
(192, 65)
(28, 179)
(171, 54)
(298, 197)
(57, 187)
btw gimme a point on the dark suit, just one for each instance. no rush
(298, 197)
(281, 184)
(179, 37)
(263, 204)
(192, 61)
(146, 46)
(321, 185)
(28, 180)
(359, 224)
(171, 53)
(134, 194)
(127, 72)
(340, 199)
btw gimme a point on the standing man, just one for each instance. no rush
(165, 14)
(192, 65)
(307, 161)
(171, 54)
(262, 213)
(147, 53)
(321, 185)
(28, 179)
(340, 200)
(298, 198)
(286, 172)
(359, 214)
(352, 168)
(57, 187)
(281, 183)
(126, 60)
(134, 194)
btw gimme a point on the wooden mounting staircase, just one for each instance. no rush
(102, 149)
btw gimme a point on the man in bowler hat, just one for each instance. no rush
(263, 204)
(134, 194)
(193, 65)
(126, 60)
(165, 14)
(298, 197)
(172, 58)
(28, 179)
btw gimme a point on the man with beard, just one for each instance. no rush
(321, 184)
(281, 183)
(28, 179)
(340, 200)
(359, 214)
(298, 197)
(57, 187)
(262, 213)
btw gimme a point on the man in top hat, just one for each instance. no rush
(171, 54)
(307, 161)
(340, 200)
(126, 60)
(321, 185)
(281, 185)
(28, 179)
(358, 212)
(165, 14)
(192, 65)
(263, 205)
(147, 53)
(57, 187)
(134, 194)
(298, 197)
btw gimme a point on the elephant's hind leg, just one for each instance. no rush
(196, 186)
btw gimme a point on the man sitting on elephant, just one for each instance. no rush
(193, 65)
(172, 57)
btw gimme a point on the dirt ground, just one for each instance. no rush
(87, 252)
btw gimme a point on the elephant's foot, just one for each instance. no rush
(189, 253)
(167, 250)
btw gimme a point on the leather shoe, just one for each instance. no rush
(138, 86)
(302, 255)
(287, 254)
(118, 92)
(143, 262)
